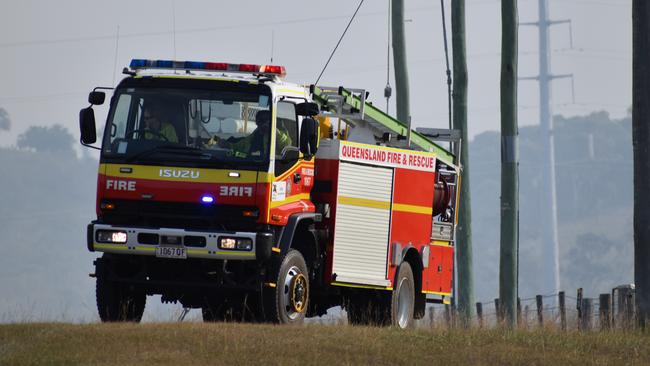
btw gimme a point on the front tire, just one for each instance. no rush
(287, 302)
(117, 302)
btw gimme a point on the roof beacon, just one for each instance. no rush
(275, 70)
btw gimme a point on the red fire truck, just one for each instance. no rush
(217, 189)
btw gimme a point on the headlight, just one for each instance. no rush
(236, 243)
(111, 236)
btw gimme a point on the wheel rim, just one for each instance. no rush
(295, 293)
(404, 303)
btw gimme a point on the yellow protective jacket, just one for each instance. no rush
(258, 142)
(166, 130)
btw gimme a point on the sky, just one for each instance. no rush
(52, 53)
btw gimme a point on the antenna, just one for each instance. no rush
(117, 44)
(272, 44)
(174, 26)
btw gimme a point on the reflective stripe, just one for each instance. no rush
(204, 175)
(235, 254)
(412, 208)
(344, 284)
(111, 246)
(290, 199)
(437, 293)
(363, 202)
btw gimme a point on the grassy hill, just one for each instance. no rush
(229, 343)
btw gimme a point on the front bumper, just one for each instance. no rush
(139, 242)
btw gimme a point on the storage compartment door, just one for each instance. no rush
(362, 224)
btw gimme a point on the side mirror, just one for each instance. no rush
(309, 135)
(290, 155)
(307, 109)
(96, 97)
(87, 126)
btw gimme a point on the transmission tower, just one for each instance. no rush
(548, 213)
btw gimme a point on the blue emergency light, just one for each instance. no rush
(207, 199)
(207, 66)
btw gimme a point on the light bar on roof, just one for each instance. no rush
(208, 66)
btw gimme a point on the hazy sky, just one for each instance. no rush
(54, 52)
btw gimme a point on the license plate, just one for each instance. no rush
(171, 252)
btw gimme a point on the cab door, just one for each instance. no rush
(292, 180)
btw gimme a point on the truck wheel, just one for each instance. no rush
(403, 298)
(287, 302)
(116, 302)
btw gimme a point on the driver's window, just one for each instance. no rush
(120, 117)
(286, 134)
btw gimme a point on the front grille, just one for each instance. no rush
(175, 214)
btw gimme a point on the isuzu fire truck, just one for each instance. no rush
(217, 190)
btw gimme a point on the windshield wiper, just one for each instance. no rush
(185, 150)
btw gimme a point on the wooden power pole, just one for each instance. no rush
(508, 266)
(399, 60)
(641, 147)
(464, 230)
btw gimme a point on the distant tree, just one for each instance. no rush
(55, 139)
(5, 121)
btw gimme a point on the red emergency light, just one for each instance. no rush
(273, 69)
(208, 66)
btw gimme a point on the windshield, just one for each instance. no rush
(158, 124)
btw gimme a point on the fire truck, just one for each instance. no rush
(226, 188)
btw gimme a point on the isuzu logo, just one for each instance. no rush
(179, 173)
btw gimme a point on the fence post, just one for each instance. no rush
(479, 314)
(587, 313)
(526, 315)
(497, 308)
(432, 316)
(579, 306)
(605, 312)
(562, 303)
(519, 311)
(625, 307)
(540, 309)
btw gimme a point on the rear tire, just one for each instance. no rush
(287, 303)
(402, 302)
(117, 302)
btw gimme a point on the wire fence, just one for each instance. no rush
(613, 310)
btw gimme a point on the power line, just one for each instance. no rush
(339, 42)
(195, 30)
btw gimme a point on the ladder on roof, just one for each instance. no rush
(351, 106)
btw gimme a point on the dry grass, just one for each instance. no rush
(227, 343)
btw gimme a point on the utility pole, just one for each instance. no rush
(641, 148)
(399, 60)
(464, 229)
(548, 212)
(508, 266)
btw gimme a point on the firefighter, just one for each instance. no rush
(156, 129)
(257, 143)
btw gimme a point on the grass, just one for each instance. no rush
(230, 343)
